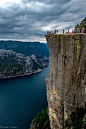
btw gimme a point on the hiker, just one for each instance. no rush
(85, 30)
(81, 31)
(63, 31)
(51, 32)
(54, 31)
(74, 31)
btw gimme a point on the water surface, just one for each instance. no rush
(21, 98)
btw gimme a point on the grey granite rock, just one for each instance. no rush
(66, 81)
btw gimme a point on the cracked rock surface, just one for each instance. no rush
(66, 81)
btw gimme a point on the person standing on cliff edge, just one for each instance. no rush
(54, 31)
(63, 31)
(51, 32)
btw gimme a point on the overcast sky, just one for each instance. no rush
(29, 20)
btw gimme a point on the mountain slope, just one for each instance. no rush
(26, 48)
(16, 64)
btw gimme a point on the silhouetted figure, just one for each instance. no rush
(51, 32)
(63, 31)
(85, 30)
(57, 31)
(54, 31)
(80, 30)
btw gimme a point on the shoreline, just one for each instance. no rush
(40, 70)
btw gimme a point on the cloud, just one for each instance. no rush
(31, 19)
(4, 2)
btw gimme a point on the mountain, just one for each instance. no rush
(82, 24)
(26, 48)
(17, 64)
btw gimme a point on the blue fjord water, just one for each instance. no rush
(21, 98)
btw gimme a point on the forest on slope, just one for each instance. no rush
(19, 58)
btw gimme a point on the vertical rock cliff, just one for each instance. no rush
(66, 81)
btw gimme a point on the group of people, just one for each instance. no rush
(79, 31)
(73, 31)
(55, 31)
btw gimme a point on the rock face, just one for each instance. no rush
(83, 22)
(14, 64)
(66, 81)
(82, 25)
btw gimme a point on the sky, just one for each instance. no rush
(29, 20)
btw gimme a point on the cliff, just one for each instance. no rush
(66, 81)
(83, 22)
(13, 64)
(82, 25)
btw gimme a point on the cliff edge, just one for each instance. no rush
(66, 81)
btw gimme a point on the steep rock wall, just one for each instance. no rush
(66, 81)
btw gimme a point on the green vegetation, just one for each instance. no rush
(80, 26)
(41, 121)
(78, 119)
(26, 48)
(36, 65)
(10, 66)
(84, 26)
(16, 64)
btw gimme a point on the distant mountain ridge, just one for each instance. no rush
(14, 64)
(26, 48)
